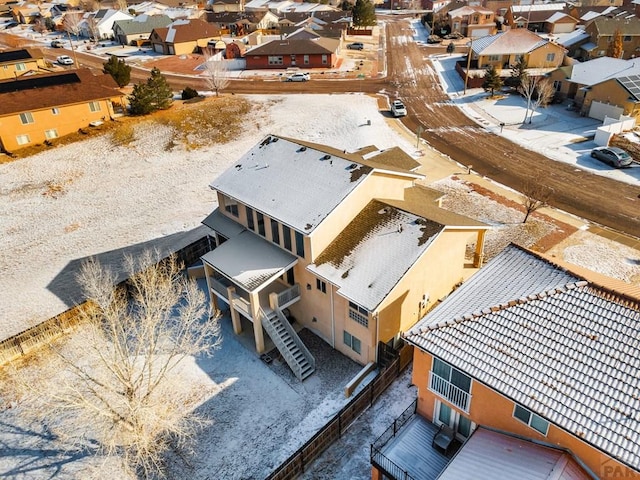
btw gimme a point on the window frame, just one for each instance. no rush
(275, 232)
(275, 60)
(532, 417)
(286, 236)
(23, 136)
(21, 67)
(321, 285)
(551, 57)
(260, 222)
(26, 118)
(251, 223)
(299, 244)
(95, 107)
(352, 342)
(452, 372)
(48, 136)
(358, 314)
(231, 206)
(55, 111)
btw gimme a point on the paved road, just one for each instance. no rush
(411, 77)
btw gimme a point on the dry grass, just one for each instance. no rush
(123, 134)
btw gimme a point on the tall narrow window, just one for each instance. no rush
(290, 278)
(261, 230)
(250, 221)
(275, 232)
(94, 106)
(55, 111)
(286, 234)
(299, 244)
(26, 118)
(320, 285)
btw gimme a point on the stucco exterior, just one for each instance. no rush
(613, 93)
(17, 68)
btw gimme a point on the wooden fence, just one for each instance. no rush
(334, 429)
(38, 335)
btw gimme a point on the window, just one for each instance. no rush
(250, 222)
(626, 38)
(26, 118)
(275, 60)
(261, 230)
(451, 384)
(286, 234)
(49, 134)
(23, 139)
(352, 342)
(20, 67)
(299, 245)
(320, 285)
(534, 421)
(275, 232)
(55, 111)
(324, 59)
(305, 59)
(231, 206)
(551, 57)
(493, 58)
(462, 425)
(94, 106)
(290, 278)
(359, 314)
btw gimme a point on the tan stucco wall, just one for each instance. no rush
(612, 93)
(69, 120)
(491, 409)
(8, 70)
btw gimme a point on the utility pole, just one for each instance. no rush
(418, 135)
(466, 74)
(73, 50)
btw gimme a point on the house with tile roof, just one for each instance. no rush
(138, 29)
(599, 87)
(602, 30)
(39, 108)
(346, 243)
(318, 52)
(472, 22)
(183, 37)
(540, 351)
(17, 62)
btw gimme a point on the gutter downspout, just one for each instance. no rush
(333, 321)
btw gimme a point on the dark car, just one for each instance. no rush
(614, 156)
(355, 46)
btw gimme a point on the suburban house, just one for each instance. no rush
(21, 61)
(331, 23)
(560, 23)
(306, 53)
(219, 6)
(472, 22)
(39, 108)
(504, 49)
(602, 31)
(541, 351)
(533, 17)
(99, 24)
(27, 13)
(347, 244)
(137, 30)
(600, 87)
(183, 36)
(241, 23)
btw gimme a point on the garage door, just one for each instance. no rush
(157, 47)
(481, 32)
(599, 110)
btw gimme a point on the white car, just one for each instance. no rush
(398, 109)
(64, 60)
(298, 77)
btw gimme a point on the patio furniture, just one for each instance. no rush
(444, 438)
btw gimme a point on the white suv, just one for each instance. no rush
(298, 77)
(64, 60)
(398, 109)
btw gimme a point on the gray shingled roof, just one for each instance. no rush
(136, 26)
(569, 353)
(292, 182)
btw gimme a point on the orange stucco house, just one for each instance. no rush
(537, 352)
(39, 108)
(347, 244)
(17, 62)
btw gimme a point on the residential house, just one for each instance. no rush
(600, 87)
(99, 25)
(504, 49)
(472, 22)
(542, 351)
(306, 53)
(532, 17)
(559, 23)
(183, 36)
(347, 244)
(21, 61)
(219, 6)
(280, 7)
(330, 23)
(39, 108)
(26, 13)
(240, 24)
(602, 31)
(138, 29)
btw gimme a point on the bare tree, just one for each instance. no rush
(93, 29)
(71, 23)
(538, 92)
(534, 197)
(215, 73)
(121, 389)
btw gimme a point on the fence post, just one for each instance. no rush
(371, 396)
(339, 425)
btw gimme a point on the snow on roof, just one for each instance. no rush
(519, 40)
(557, 16)
(603, 68)
(571, 38)
(297, 183)
(538, 8)
(372, 254)
(551, 346)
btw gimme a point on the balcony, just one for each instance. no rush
(447, 390)
(405, 452)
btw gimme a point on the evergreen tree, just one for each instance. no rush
(140, 100)
(363, 14)
(615, 48)
(451, 48)
(518, 71)
(492, 80)
(118, 69)
(161, 93)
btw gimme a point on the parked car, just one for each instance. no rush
(64, 60)
(355, 46)
(57, 44)
(298, 77)
(398, 109)
(614, 156)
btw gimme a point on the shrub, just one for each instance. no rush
(188, 93)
